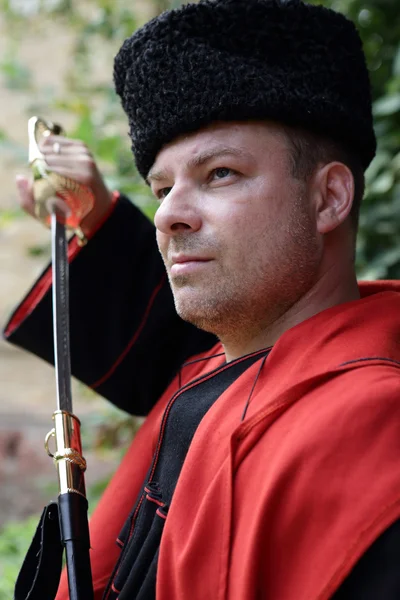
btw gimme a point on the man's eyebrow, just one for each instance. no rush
(201, 159)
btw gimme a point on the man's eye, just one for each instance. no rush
(161, 194)
(222, 172)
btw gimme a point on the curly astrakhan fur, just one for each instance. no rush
(226, 60)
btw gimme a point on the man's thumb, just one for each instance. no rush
(24, 188)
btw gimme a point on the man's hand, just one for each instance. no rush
(72, 159)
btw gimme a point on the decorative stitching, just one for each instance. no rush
(163, 423)
(196, 360)
(160, 504)
(253, 386)
(207, 375)
(135, 514)
(192, 362)
(185, 388)
(364, 359)
(134, 338)
(270, 409)
(38, 292)
(161, 436)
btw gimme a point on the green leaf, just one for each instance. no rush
(15, 538)
(396, 62)
(108, 148)
(381, 159)
(85, 131)
(38, 250)
(7, 216)
(382, 184)
(396, 163)
(388, 105)
(16, 75)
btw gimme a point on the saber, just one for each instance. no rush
(70, 464)
(61, 313)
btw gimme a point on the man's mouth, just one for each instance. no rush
(185, 264)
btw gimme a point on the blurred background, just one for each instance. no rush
(56, 61)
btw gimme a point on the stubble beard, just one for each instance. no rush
(205, 304)
(234, 304)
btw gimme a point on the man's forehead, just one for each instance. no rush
(237, 139)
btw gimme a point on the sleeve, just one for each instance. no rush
(127, 341)
(377, 573)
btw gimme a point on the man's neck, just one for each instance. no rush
(328, 291)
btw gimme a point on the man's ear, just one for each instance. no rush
(334, 192)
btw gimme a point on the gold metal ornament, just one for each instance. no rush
(67, 457)
(49, 185)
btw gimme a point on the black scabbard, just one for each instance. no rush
(71, 465)
(75, 538)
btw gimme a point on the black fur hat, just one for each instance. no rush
(227, 60)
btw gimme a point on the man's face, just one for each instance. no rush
(236, 231)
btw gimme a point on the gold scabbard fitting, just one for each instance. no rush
(72, 456)
(67, 457)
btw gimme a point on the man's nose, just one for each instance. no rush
(178, 212)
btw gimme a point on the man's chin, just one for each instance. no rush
(200, 314)
(189, 313)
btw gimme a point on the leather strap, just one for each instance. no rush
(40, 573)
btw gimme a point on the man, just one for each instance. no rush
(269, 464)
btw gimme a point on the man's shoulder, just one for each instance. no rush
(355, 407)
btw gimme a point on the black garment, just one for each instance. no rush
(135, 574)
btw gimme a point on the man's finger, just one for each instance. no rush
(57, 150)
(71, 161)
(80, 172)
(58, 145)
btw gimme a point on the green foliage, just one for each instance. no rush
(39, 250)
(14, 541)
(15, 74)
(109, 430)
(8, 215)
(378, 247)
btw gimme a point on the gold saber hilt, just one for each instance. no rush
(49, 185)
(67, 457)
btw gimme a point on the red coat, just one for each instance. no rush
(283, 504)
